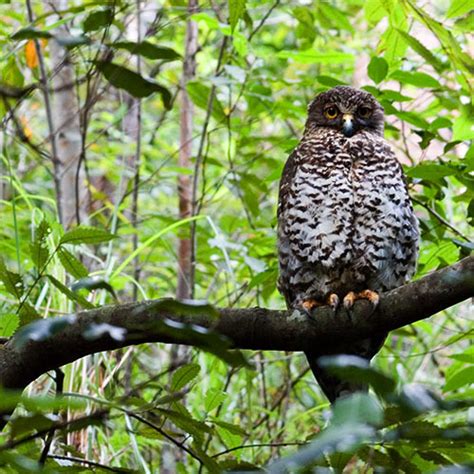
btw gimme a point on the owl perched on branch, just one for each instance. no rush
(346, 227)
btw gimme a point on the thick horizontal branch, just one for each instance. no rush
(254, 328)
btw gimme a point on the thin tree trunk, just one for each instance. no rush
(73, 195)
(185, 286)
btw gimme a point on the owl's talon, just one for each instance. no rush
(371, 296)
(349, 300)
(333, 301)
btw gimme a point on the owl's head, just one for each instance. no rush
(346, 109)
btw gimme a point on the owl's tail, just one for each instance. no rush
(334, 387)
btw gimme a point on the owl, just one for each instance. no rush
(346, 226)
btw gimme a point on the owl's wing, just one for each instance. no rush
(288, 175)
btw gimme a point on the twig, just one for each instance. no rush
(263, 20)
(441, 219)
(87, 463)
(259, 445)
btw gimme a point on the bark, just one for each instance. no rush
(253, 328)
(70, 175)
(185, 272)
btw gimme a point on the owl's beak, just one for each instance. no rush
(348, 125)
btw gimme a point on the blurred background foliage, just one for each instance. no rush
(259, 63)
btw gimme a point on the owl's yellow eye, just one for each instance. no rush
(364, 112)
(331, 112)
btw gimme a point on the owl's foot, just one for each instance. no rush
(310, 304)
(371, 296)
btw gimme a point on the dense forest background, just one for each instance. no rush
(161, 128)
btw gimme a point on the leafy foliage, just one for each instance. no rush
(258, 65)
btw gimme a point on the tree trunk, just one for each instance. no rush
(185, 286)
(73, 202)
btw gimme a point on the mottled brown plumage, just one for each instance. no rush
(346, 227)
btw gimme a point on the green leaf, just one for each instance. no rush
(86, 235)
(213, 399)
(38, 248)
(70, 294)
(357, 369)
(30, 33)
(418, 79)
(8, 324)
(148, 50)
(422, 50)
(377, 69)
(93, 283)
(463, 127)
(335, 16)
(136, 85)
(27, 314)
(98, 20)
(374, 11)
(42, 329)
(199, 94)
(12, 281)
(99, 330)
(312, 56)
(357, 408)
(72, 264)
(430, 171)
(236, 12)
(458, 8)
(458, 379)
(183, 376)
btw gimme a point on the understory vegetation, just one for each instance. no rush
(142, 143)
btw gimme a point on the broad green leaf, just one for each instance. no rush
(12, 281)
(135, 84)
(38, 248)
(9, 323)
(148, 50)
(335, 16)
(459, 7)
(42, 329)
(315, 57)
(344, 438)
(69, 293)
(213, 399)
(430, 171)
(374, 11)
(459, 379)
(377, 69)
(357, 369)
(183, 375)
(99, 330)
(422, 50)
(436, 254)
(98, 20)
(357, 408)
(236, 12)
(86, 235)
(463, 127)
(199, 94)
(93, 283)
(30, 33)
(418, 79)
(72, 264)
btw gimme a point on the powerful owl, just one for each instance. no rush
(346, 227)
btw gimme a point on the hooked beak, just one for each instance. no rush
(347, 125)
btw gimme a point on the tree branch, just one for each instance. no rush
(254, 328)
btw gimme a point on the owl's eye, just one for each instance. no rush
(331, 112)
(364, 112)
